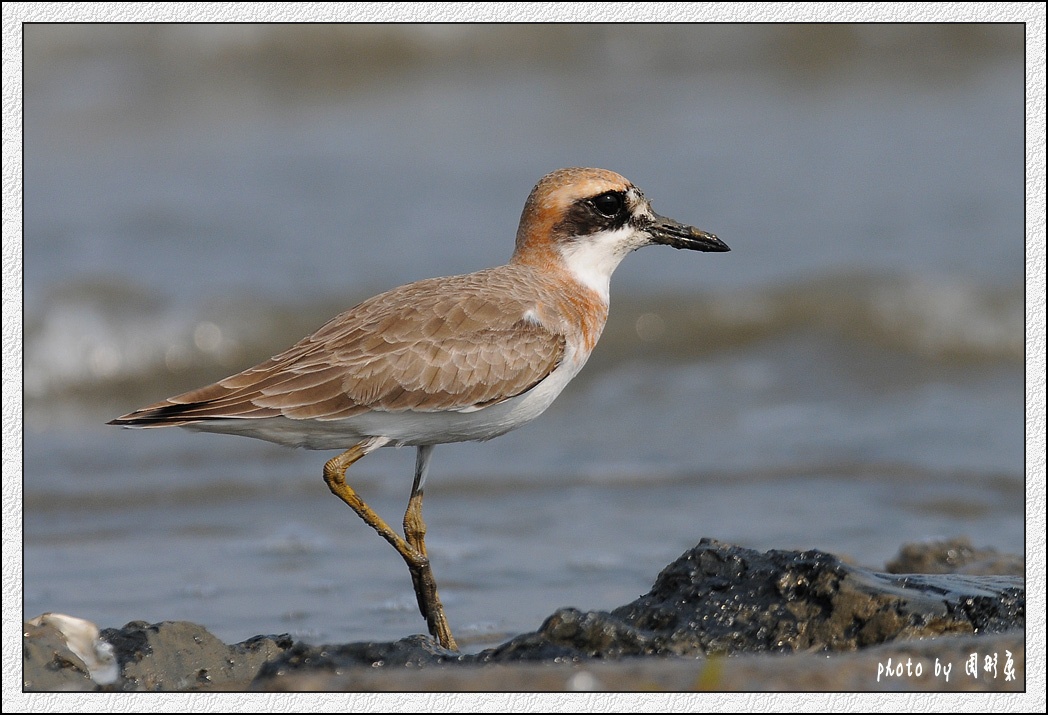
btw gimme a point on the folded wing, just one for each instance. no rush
(437, 345)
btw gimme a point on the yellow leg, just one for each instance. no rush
(422, 577)
(413, 551)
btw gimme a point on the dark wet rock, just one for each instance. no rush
(955, 556)
(413, 651)
(723, 599)
(716, 599)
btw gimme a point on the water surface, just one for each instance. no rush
(849, 377)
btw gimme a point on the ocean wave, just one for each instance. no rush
(936, 318)
(98, 338)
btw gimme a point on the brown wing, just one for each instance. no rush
(441, 344)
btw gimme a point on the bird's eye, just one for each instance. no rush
(609, 203)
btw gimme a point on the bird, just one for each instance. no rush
(451, 359)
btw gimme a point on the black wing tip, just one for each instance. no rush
(172, 414)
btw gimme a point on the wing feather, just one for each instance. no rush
(443, 344)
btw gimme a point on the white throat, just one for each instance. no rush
(592, 259)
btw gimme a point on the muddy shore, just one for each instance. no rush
(941, 616)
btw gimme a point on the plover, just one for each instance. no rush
(453, 359)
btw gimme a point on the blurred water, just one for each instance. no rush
(849, 377)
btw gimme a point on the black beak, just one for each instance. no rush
(671, 233)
